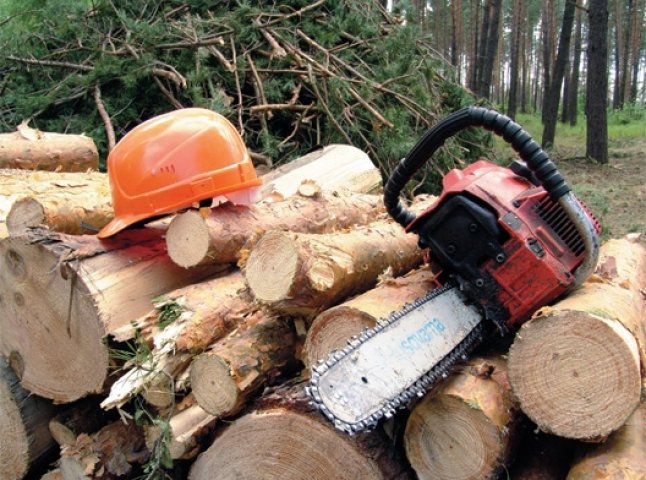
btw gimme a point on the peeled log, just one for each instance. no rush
(23, 425)
(225, 377)
(284, 439)
(622, 456)
(61, 295)
(335, 326)
(575, 366)
(31, 149)
(193, 240)
(462, 430)
(303, 274)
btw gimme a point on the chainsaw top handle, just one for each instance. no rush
(534, 156)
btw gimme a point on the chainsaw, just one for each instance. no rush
(507, 242)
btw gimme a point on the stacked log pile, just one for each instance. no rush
(202, 369)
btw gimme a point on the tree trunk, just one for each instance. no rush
(282, 438)
(596, 146)
(463, 429)
(31, 149)
(62, 295)
(573, 102)
(621, 456)
(235, 368)
(23, 422)
(303, 274)
(73, 203)
(514, 47)
(491, 48)
(331, 329)
(575, 367)
(548, 39)
(193, 240)
(112, 452)
(550, 115)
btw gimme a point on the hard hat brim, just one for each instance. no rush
(118, 224)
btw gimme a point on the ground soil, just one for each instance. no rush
(616, 192)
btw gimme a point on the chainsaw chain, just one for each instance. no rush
(416, 390)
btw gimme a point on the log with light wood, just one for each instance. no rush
(31, 149)
(331, 329)
(24, 418)
(283, 438)
(463, 429)
(575, 366)
(193, 240)
(622, 456)
(61, 295)
(303, 274)
(235, 368)
(67, 202)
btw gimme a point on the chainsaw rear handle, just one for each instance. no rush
(534, 156)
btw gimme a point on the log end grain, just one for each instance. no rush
(272, 266)
(187, 239)
(331, 330)
(575, 374)
(446, 439)
(24, 213)
(14, 447)
(213, 386)
(283, 444)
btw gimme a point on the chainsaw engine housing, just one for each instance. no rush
(497, 232)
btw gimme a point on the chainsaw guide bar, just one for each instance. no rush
(399, 359)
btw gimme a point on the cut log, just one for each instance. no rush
(71, 203)
(112, 452)
(335, 326)
(31, 149)
(201, 313)
(187, 430)
(193, 240)
(575, 367)
(61, 295)
(334, 167)
(284, 439)
(623, 455)
(463, 430)
(235, 368)
(303, 274)
(23, 422)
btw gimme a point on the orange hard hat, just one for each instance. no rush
(172, 161)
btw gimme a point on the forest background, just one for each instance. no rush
(301, 74)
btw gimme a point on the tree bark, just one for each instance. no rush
(303, 274)
(23, 423)
(235, 368)
(573, 101)
(331, 329)
(61, 295)
(219, 238)
(553, 92)
(596, 146)
(491, 40)
(621, 456)
(73, 203)
(283, 438)
(575, 367)
(31, 149)
(463, 429)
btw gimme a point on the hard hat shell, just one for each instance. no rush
(172, 161)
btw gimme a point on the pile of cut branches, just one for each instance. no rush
(290, 77)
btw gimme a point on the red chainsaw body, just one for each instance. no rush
(507, 241)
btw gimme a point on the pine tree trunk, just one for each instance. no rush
(575, 367)
(235, 368)
(621, 456)
(573, 102)
(282, 438)
(23, 422)
(303, 274)
(331, 329)
(30, 149)
(597, 83)
(61, 295)
(193, 240)
(73, 203)
(463, 429)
